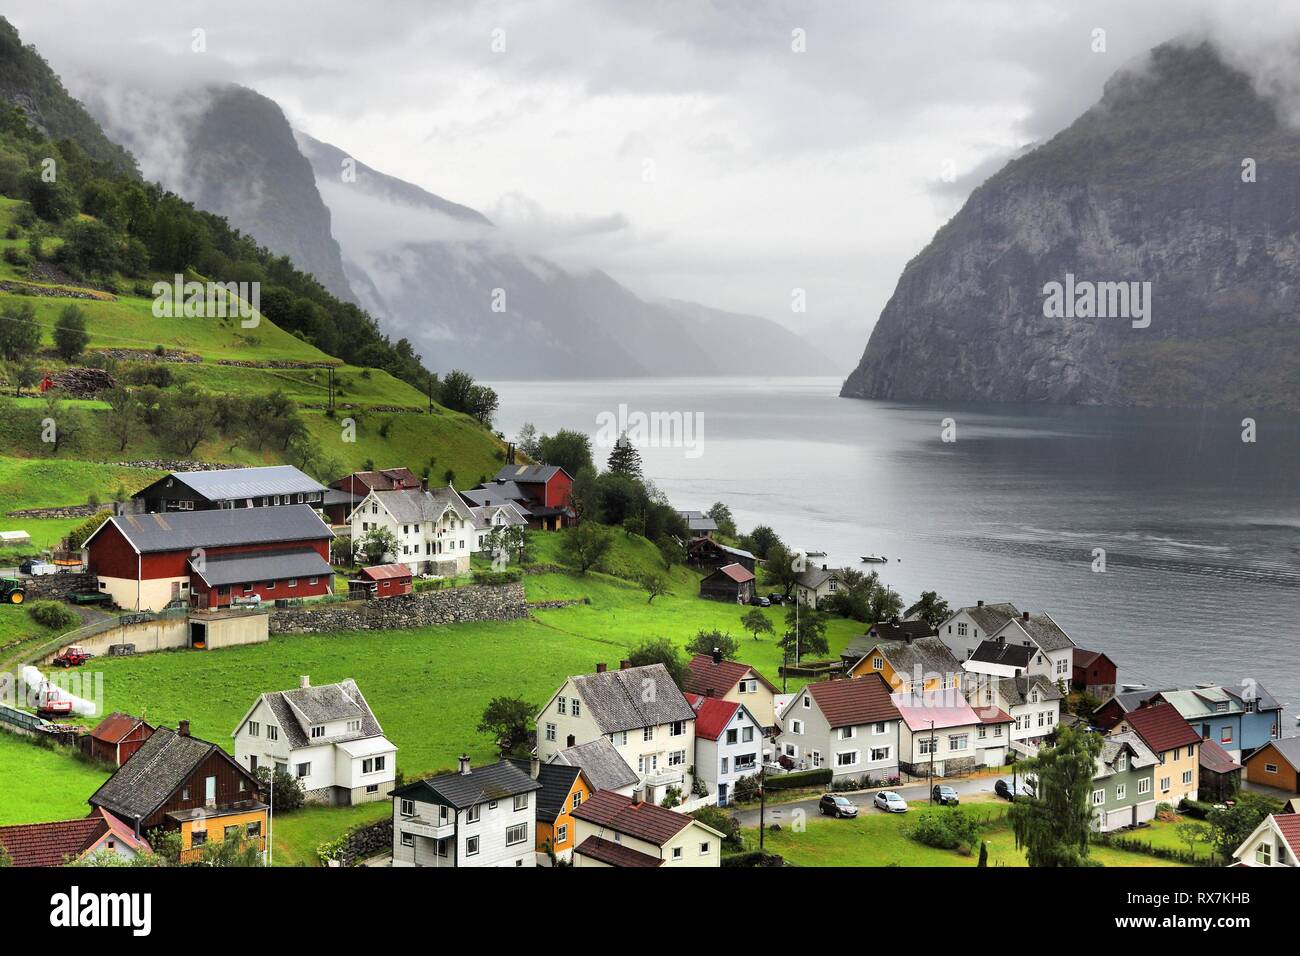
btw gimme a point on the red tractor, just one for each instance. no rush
(51, 703)
(74, 655)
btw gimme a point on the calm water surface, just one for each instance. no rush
(1201, 530)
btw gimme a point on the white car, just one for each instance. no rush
(890, 802)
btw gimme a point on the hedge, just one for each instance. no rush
(800, 778)
(753, 858)
(1197, 809)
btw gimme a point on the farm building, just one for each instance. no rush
(381, 581)
(540, 491)
(732, 582)
(1094, 673)
(229, 488)
(115, 738)
(211, 559)
(707, 553)
(1276, 765)
(343, 495)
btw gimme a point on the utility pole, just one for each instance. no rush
(331, 374)
(930, 784)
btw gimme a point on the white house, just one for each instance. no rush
(614, 830)
(435, 530)
(728, 744)
(1055, 656)
(849, 725)
(640, 710)
(969, 625)
(1275, 842)
(473, 817)
(1033, 703)
(487, 518)
(942, 734)
(816, 585)
(327, 737)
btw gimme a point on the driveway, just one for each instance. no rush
(915, 794)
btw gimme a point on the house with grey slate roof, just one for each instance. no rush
(229, 488)
(968, 626)
(639, 710)
(434, 528)
(1123, 783)
(603, 766)
(326, 737)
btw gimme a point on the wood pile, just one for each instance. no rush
(83, 382)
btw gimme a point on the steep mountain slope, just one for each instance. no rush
(1147, 186)
(431, 267)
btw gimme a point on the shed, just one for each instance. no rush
(1094, 673)
(731, 582)
(381, 581)
(115, 738)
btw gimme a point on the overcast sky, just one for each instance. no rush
(686, 148)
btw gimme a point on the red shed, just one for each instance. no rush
(383, 580)
(1094, 673)
(117, 737)
(547, 488)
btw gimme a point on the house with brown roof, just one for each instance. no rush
(1275, 842)
(711, 676)
(66, 841)
(1175, 744)
(115, 738)
(1094, 673)
(614, 830)
(731, 582)
(1219, 776)
(847, 724)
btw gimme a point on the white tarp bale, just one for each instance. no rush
(14, 538)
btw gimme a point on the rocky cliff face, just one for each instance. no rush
(1146, 187)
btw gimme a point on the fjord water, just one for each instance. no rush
(1201, 530)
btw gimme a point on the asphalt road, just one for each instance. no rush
(914, 794)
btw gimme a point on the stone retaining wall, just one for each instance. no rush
(65, 511)
(365, 842)
(57, 586)
(503, 602)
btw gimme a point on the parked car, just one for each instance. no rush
(890, 802)
(1023, 788)
(762, 602)
(37, 568)
(776, 598)
(833, 805)
(944, 795)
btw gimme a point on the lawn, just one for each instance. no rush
(878, 839)
(42, 784)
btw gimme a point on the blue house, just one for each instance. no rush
(1238, 719)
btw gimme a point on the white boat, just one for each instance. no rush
(875, 558)
(815, 554)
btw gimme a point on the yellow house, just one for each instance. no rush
(908, 664)
(1175, 744)
(564, 789)
(199, 827)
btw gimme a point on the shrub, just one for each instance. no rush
(508, 576)
(754, 858)
(800, 778)
(53, 615)
(288, 791)
(947, 829)
(1195, 809)
(78, 535)
(148, 373)
(722, 821)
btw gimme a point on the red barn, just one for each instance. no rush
(546, 489)
(211, 559)
(117, 737)
(1094, 673)
(382, 581)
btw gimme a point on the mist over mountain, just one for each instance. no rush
(1183, 176)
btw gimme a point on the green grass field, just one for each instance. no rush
(41, 784)
(878, 839)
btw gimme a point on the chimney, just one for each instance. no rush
(708, 692)
(1024, 615)
(636, 796)
(305, 681)
(464, 765)
(624, 665)
(183, 728)
(823, 567)
(534, 767)
(979, 603)
(601, 667)
(424, 484)
(717, 656)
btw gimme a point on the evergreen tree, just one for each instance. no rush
(624, 459)
(1054, 825)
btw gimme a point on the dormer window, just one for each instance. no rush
(318, 731)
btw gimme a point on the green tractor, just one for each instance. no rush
(12, 591)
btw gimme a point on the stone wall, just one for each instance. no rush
(57, 586)
(365, 842)
(503, 602)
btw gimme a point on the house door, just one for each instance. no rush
(722, 794)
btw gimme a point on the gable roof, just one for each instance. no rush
(221, 569)
(223, 527)
(1114, 745)
(1161, 727)
(920, 713)
(1286, 825)
(909, 659)
(557, 780)
(815, 577)
(225, 484)
(705, 677)
(644, 821)
(154, 772)
(56, 843)
(1045, 632)
(484, 514)
(385, 479)
(381, 572)
(851, 701)
(1086, 658)
(298, 709)
(1128, 700)
(530, 473)
(709, 544)
(616, 699)
(1015, 690)
(712, 714)
(1214, 758)
(115, 728)
(615, 854)
(1004, 653)
(463, 790)
(497, 493)
(736, 572)
(698, 521)
(989, 617)
(1288, 748)
(601, 763)
(415, 505)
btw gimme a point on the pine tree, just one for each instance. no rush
(624, 459)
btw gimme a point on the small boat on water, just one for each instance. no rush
(815, 554)
(875, 559)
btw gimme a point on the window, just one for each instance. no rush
(254, 729)
(516, 834)
(314, 580)
(408, 839)
(746, 762)
(749, 686)
(648, 733)
(471, 846)
(521, 801)
(1121, 762)
(318, 731)
(880, 753)
(1270, 768)
(879, 728)
(733, 736)
(925, 745)
(550, 732)
(252, 762)
(304, 770)
(815, 756)
(877, 663)
(1164, 785)
(704, 848)
(354, 726)
(1226, 736)
(272, 732)
(1264, 853)
(677, 728)
(561, 705)
(473, 814)
(254, 830)
(1144, 785)
(492, 804)
(577, 707)
(562, 833)
(293, 582)
(847, 733)
(677, 853)
(846, 758)
(1187, 778)
(372, 788)
(210, 789)
(1191, 751)
(796, 727)
(1121, 791)
(372, 765)
(577, 800)
(1098, 797)
(959, 741)
(619, 739)
(230, 831)
(644, 763)
(807, 701)
(981, 732)
(747, 735)
(961, 630)
(198, 837)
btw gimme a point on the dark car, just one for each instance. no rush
(762, 602)
(776, 598)
(1003, 788)
(944, 795)
(832, 804)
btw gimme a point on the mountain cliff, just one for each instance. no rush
(1182, 177)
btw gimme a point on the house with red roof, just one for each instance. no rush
(731, 582)
(381, 581)
(1094, 673)
(66, 841)
(115, 738)
(1275, 842)
(613, 830)
(1176, 746)
(728, 744)
(848, 724)
(711, 676)
(939, 733)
